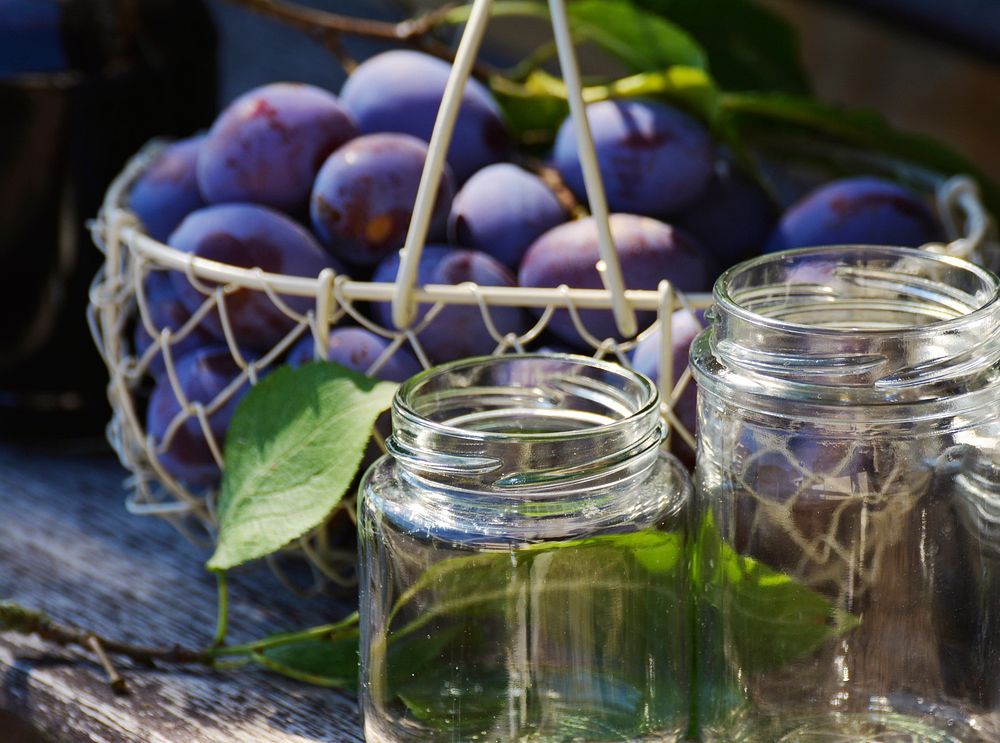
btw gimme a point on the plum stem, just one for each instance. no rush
(328, 27)
(551, 177)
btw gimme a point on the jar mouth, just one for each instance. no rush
(526, 397)
(852, 325)
(526, 423)
(864, 291)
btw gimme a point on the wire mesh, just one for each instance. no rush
(119, 305)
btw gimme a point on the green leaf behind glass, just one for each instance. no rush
(770, 618)
(478, 584)
(623, 591)
(292, 450)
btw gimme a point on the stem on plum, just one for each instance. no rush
(551, 177)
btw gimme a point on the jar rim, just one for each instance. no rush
(650, 399)
(731, 306)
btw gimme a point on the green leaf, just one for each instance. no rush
(534, 108)
(748, 46)
(292, 450)
(770, 618)
(643, 41)
(332, 663)
(859, 128)
(537, 106)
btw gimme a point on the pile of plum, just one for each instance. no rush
(293, 179)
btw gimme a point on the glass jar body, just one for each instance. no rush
(847, 506)
(543, 613)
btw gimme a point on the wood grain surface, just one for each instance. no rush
(68, 546)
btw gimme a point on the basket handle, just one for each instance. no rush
(961, 193)
(403, 309)
(608, 267)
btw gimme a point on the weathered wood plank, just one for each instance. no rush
(67, 545)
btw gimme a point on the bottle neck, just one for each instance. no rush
(852, 325)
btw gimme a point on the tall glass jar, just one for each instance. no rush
(522, 563)
(847, 555)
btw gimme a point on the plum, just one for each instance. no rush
(167, 191)
(249, 236)
(203, 375)
(458, 330)
(655, 160)
(733, 219)
(684, 327)
(649, 251)
(358, 349)
(401, 90)
(856, 211)
(167, 311)
(267, 146)
(501, 210)
(363, 197)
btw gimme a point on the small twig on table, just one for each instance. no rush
(30, 622)
(114, 678)
(328, 28)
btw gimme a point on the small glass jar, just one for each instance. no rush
(847, 557)
(522, 563)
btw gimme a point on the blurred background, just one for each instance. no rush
(84, 83)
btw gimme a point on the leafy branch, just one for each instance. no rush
(24, 621)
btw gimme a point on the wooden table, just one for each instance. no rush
(68, 546)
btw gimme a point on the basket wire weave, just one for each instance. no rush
(118, 303)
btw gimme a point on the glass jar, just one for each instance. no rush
(847, 557)
(522, 565)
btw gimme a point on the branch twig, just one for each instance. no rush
(15, 618)
(114, 678)
(328, 27)
(30, 622)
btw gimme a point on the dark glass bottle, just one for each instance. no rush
(83, 84)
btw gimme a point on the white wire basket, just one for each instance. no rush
(118, 304)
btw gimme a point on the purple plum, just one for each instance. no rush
(364, 195)
(167, 191)
(655, 160)
(267, 146)
(203, 375)
(401, 90)
(856, 211)
(501, 210)
(458, 330)
(249, 236)
(649, 251)
(358, 349)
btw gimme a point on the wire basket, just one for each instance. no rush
(118, 304)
